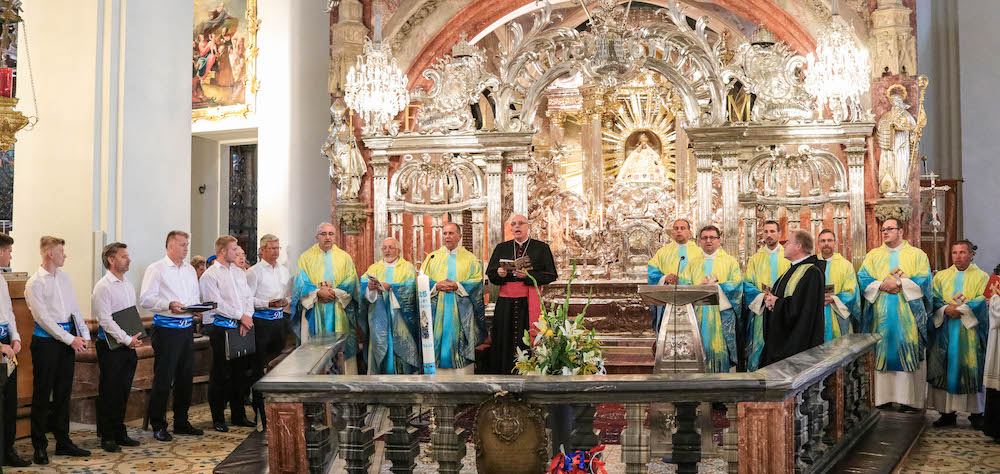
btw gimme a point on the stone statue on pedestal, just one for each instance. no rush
(347, 167)
(893, 132)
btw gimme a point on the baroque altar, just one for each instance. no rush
(604, 135)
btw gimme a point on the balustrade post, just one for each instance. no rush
(731, 440)
(801, 420)
(402, 445)
(447, 447)
(767, 437)
(583, 437)
(635, 439)
(286, 438)
(357, 441)
(835, 396)
(661, 432)
(687, 441)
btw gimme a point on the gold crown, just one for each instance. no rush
(762, 36)
(463, 48)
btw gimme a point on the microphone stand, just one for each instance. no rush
(673, 306)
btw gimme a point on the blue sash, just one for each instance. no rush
(221, 322)
(954, 327)
(827, 310)
(892, 330)
(709, 263)
(447, 329)
(172, 323)
(269, 314)
(69, 327)
(390, 366)
(4, 331)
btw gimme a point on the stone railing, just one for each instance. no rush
(799, 415)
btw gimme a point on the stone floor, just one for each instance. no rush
(939, 450)
(185, 454)
(957, 449)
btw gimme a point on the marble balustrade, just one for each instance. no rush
(799, 415)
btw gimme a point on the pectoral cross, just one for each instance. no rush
(933, 189)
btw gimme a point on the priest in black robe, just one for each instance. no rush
(794, 318)
(519, 305)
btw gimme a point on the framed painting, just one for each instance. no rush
(224, 59)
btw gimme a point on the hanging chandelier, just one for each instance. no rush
(838, 72)
(376, 88)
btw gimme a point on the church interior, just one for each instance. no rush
(623, 133)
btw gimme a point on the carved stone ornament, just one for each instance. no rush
(351, 216)
(347, 39)
(510, 437)
(893, 209)
(771, 72)
(458, 79)
(893, 45)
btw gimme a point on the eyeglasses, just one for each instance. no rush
(327, 234)
(710, 237)
(887, 229)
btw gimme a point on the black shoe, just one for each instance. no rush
(13, 460)
(244, 423)
(977, 421)
(908, 409)
(947, 419)
(162, 435)
(885, 406)
(220, 426)
(72, 450)
(41, 457)
(110, 446)
(187, 429)
(124, 440)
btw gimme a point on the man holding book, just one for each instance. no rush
(388, 313)
(10, 345)
(270, 283)
(113, 293)
(957, 339)
(169, 286)
(895, 280)
(519, 305)
(60, 333)
(226, 284)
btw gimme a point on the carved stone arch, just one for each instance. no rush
(814, 160)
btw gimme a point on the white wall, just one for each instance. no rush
(293, 117)
(980, 74)
(205, 208)
(110, 157)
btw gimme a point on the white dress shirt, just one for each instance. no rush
(165, 282)
(268, 283)
(7, 311)
(228, 287)
(51, 300)
(110, 296)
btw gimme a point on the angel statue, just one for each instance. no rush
(643, 165)
(347, 167)
(893, 132)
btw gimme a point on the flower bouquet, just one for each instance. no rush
(562, 346)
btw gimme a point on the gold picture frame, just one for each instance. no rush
(250, 82)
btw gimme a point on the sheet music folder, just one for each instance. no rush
(661, 295)
(128, 319)
(238, 346)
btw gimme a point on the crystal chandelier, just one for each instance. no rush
(376, 88)
(838, 71)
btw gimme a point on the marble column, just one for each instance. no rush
(703, 163)
(380, 188)
(592, 142)
(730, 201)
(856, 183)
(494, 211)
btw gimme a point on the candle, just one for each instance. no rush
(426, 322)
(6, 82)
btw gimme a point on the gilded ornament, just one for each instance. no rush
(459, 80)
(11, 122)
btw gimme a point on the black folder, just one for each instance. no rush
(128, 319)
(238, 346)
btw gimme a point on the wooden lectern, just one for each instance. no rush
(678, 342)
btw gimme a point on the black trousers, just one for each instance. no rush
(113, 387)
(52, 375)
(228, 380)
(9, 407)
(991, 425)
(270, 336)
(172, 367)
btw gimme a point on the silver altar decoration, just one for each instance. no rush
(459, 80)
(771, 71)
(347, 167)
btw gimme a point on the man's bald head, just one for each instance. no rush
(391, 249)
(520, 227)
(681, 231)
(325, 234)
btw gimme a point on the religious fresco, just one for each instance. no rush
(223, 65)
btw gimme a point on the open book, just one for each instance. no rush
(523, 263)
